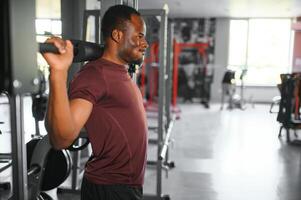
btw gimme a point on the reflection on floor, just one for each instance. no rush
(227, 155)
(231, 155)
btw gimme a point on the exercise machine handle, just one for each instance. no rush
(82, 50)
(167, 139)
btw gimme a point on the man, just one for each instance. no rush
(104, 99)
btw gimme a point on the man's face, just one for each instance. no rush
(133, 46)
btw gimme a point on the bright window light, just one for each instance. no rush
(262, 46)
(56, 27)
(43, 25)
(238, 41)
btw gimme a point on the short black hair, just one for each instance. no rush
(115, 18)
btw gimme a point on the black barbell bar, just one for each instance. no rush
(82, 50)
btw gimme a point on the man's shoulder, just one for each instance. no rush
(93, 67)
(93, 64)
(90, 71)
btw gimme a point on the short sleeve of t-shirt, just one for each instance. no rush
(88, 84)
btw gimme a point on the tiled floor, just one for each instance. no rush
(227, 155)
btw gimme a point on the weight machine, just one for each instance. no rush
(289, 107)
(201, 49)
(165, 120)
(19, 76)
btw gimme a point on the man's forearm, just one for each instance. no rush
(60, 123)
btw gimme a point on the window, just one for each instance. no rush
(48, 21)
(262, 47)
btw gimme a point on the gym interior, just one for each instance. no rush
(220, 85)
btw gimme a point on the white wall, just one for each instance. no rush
(257, 94)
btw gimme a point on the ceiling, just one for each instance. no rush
(226, 8)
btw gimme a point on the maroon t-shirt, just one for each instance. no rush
(117, 126)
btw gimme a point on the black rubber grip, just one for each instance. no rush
(82, 50)
(46, 47)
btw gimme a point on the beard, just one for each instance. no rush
(132, 55)
(138, 61)
(135, 65)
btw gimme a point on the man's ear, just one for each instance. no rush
(116, 35)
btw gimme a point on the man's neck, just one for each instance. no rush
(108, 56)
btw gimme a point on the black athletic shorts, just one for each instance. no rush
(91, 191)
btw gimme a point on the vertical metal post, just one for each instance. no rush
(20, 71)
(101, 13)
(168, 72)
(97, 28)
(71, 16)
(162, 88)
(168, 82)
(135, 4)
(176, 53)
(20, 191)
(85, 25)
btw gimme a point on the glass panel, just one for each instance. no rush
(263, 47)
(43, 25)
(238, 42)
(269, 39)
(268, 50)
(56, 27)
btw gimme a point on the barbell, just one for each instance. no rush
(82, 50)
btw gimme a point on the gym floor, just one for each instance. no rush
(223, 155)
